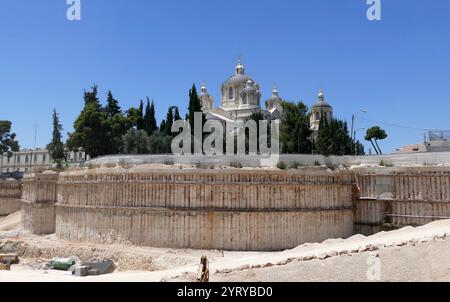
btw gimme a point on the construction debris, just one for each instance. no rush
(81, 271)
(63, 264)
(94, 269)
(9, 259)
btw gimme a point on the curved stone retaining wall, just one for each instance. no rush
(204, 209)
(404, 197)
(10, 192)
(38, 202)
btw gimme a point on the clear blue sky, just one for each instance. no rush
(398, 68)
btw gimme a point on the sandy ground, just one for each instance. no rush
(11, 222)
(409, 254)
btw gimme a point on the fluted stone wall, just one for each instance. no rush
(205, 209)
(38, 203)
(10, 192)
(403, 197)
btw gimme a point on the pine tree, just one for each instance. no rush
(334, 138)
(295, 130)
(90, 98)
(8, 142)
(91, 132)
(56, 146)
(112, 106)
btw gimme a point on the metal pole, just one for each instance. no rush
(353, 128)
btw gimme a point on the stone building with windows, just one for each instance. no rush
(31, 160)
(320, 110)
(241, 97)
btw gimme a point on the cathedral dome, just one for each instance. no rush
(237, 79)
(275, 98)
(321, 102)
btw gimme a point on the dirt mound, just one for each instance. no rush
(12, 222)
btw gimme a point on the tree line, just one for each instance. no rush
(296, 136)
(107, 129)
(104, 130)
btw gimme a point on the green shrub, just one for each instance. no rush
(282, 165)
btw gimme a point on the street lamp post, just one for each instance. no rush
(353, 133)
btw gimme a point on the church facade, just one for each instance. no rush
(241, 97)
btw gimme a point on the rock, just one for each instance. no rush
(82, 271)
(322, 256)
(372, 247)
(344, 252)
(401, 243)
(104, 267)
(362, 249)
(374, 254)
(307, 258)
(244, 267)
(267, 265)
(332, 254)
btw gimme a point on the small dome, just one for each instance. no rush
(275, 97)
(321, 101)
(240, 68)
(204, 89)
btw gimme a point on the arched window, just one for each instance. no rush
(230, 93)
(317, 116)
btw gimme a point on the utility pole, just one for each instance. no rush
(35, 135)
(353, 128)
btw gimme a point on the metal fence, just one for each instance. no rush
(439, 135)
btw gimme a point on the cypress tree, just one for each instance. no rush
(169, 121)
(152, 119)
(194, 105)
(140, 118)
(56, 146)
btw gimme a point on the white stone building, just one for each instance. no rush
(319, 110)
(31, 160)
(241, 97)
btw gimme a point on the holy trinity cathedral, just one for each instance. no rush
(241, 96)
